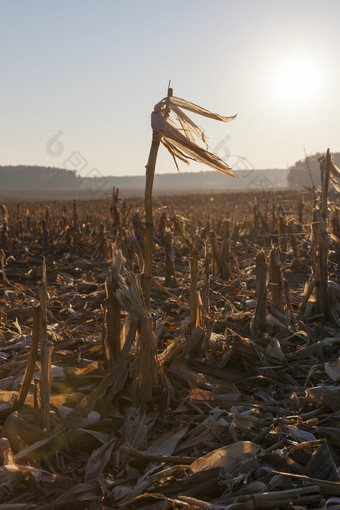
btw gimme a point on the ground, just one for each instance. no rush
(205, 401)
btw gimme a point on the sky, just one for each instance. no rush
(80, 78)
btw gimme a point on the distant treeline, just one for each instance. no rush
(307, 170)
(40, 177)
(198, 182)
(37, 177)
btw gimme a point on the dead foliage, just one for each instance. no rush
(223, 394)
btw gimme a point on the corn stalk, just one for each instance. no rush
(179, 140)
(325, 184)
(113, 308)
(46, 354)
(193, 286)
(259, 320)
(150, 173)
(29, 371)
(321, 271)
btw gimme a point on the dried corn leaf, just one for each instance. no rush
(333, 370)
(167, 442)
(173, 136)
(98, 461)
(179, 140)
(229, 457)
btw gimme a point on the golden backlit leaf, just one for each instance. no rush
(334, 170)
(188, 126)
(175, 153)
(201, 155)
(179, 139)
(192, 107)
(168, 129)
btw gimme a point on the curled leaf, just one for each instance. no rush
(179, 138)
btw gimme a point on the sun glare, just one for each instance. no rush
(297, 81)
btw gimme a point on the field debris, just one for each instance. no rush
(220, 393)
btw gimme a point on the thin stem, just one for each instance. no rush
(150, 173)
(193, 285)
(325, 185)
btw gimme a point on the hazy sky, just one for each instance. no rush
(93, 70)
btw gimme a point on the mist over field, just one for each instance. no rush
(47, 182)
(52, 183)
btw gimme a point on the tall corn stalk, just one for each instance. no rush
(113, 308)
(193, 286)
(150, 173)
(180, 140)
(46, 353)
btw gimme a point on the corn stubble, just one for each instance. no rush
(214, 388)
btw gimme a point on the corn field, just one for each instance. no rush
(219, 391)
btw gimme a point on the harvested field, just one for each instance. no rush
(222, 396)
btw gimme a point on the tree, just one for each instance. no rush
(299, 175)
